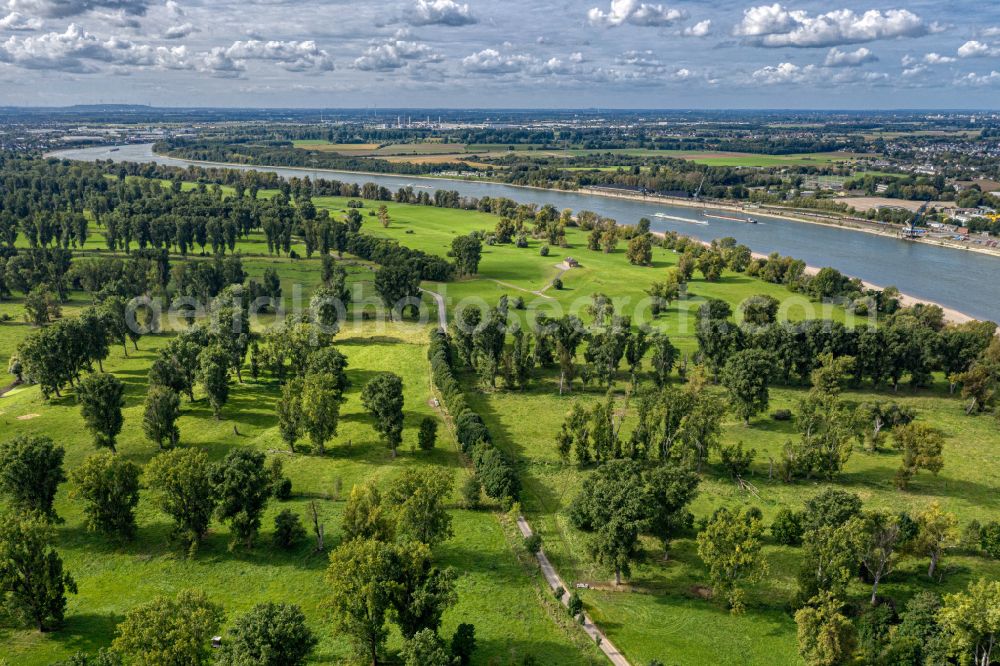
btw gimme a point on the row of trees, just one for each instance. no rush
(495, 473)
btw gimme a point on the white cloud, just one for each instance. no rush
(77, 50)
(294, 56)
(67, 8)
(179, 31)
(394, 54)
(699, 29)
(776, 26)
(990, 32)
(440, 12)
(491, 61)
(976, 49)
(838, 58)
(635, 13)
(973, 79)
(938, 59)
(18, 21)
(786, 72)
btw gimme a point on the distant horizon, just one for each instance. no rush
(525, 109)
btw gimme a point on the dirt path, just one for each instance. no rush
(442, 314)
(550, 573)
(555, 582)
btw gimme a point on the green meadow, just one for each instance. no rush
(663, 611)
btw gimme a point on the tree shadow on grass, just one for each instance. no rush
(543, 499)
(86, 632)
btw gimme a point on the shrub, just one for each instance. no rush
(472, 492)
(787, 528)
(544, 251)
(557, 284)
(575, 605)
(427, 435)
(782, 415)
(518, 303)
(288, 530)
(972, 537)
(533, 543)
(989, 539)
(281, 485)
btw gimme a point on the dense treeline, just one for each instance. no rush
(494, 471)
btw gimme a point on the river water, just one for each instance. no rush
(965, 281)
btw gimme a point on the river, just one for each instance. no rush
(965, 281)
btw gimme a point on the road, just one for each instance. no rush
(549, 571)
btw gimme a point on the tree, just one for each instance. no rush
(169, 631)
(663, 360)
(426, 649)
(829, 557)
(830, 508)
(717, 336)
(671, 487)
(918, 638)
(361, 578)
(730, 546)
(937, 531)
(366, 516)
(41, 306)
(826, 636)
(102, 397)
(289, 408)
(160, 414)
(320, 408)
(32, 580)
(880, 536)
(184, 479)
(463, 643)
(640, 250)
(568, 333)
(921, 445)
(31, 469)
(746, 376)
(424, 591)
(467, 251)
(383, 398)
(213, 365)
(110, 487)
(242, 485)
(613, 505)
(398, 285)
(427, 434)
(269, 634)
(760, 310)
(288, 530)
(383, 215)
(971, 622)
(419, 499)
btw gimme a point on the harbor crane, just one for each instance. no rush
(911, 230)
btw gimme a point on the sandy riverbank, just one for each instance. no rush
(791, 216)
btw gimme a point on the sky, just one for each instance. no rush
(836, 54)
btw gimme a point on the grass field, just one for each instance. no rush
(499, 590)
(662, 612)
